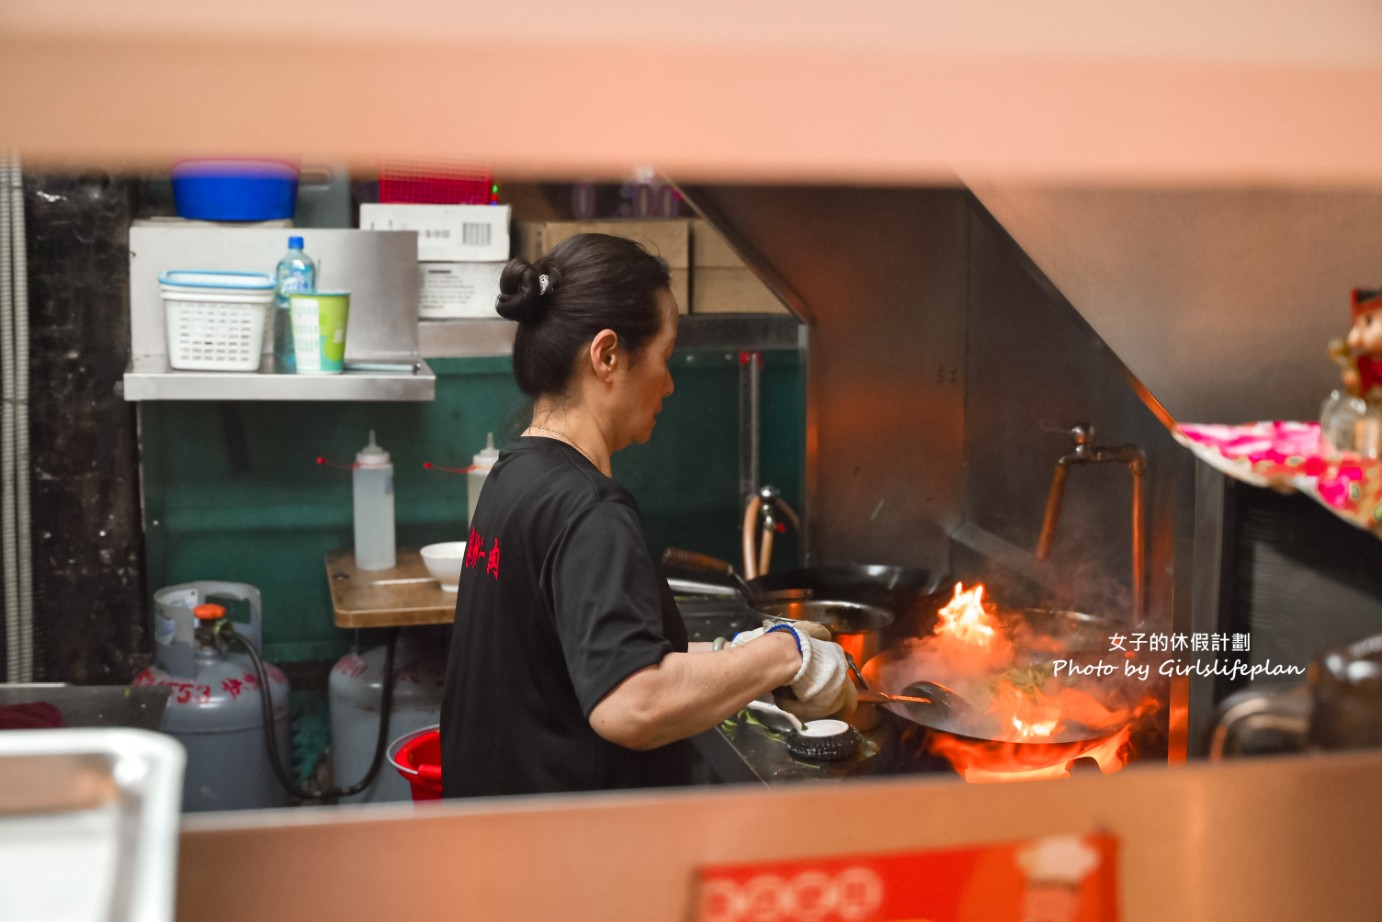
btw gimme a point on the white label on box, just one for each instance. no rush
(458, 289)
(446, 233)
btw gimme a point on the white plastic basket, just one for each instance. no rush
(216, 320)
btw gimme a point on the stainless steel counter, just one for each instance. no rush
(743, 751)
(94, 705)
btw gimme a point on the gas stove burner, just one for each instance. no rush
(816, 741)
(824, 741)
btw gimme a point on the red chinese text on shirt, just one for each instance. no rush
(474, 551)
(492, 568)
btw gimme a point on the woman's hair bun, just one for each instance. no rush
(523, 295)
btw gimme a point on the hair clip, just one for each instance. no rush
(543, 283)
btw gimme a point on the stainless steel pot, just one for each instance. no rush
(912, 595)
(855, 625)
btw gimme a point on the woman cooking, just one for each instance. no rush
(569, 667)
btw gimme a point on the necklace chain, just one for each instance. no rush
(570, 441)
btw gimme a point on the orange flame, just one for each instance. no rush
(1023, 710)
(966, 619)
(1032, 715)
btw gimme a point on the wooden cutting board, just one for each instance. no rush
(403, 596)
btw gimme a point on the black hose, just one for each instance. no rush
(331, 795)
(382, 743)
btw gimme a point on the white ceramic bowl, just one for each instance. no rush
(444, 562)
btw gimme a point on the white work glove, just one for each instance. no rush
(821, 687)
(819, 631)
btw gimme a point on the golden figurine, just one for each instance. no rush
(1351, 420)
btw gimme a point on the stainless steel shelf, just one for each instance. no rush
(473, 338)
(378, 268)
(152, 379)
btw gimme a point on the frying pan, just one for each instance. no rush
(912, 595)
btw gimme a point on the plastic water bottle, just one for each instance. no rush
(372, 482)
(479, 470)
(295, 273)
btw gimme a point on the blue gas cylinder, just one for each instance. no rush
(214, 704)
(355, 695)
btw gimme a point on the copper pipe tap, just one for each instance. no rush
(758, 553)
(1086, 452)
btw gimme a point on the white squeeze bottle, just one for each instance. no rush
(475, 478)
(372, 480)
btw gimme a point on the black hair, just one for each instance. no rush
(594, 282)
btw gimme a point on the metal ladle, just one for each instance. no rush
(940, 704)
(932, 702)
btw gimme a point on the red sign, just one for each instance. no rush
(1062, 878)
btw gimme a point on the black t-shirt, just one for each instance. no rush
(559, 601)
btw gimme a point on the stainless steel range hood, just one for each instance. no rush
(878, 274)
(1221, 301)
(944, 374)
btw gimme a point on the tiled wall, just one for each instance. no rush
(232, 491)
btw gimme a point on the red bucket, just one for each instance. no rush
(417, 757)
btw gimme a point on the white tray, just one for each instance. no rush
(89, 824)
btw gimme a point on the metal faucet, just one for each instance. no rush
(757, 559)
(1085, 452)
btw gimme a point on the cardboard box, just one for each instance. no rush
(669, 238)
(451, 290)
(721, 283)
(732, 291)
(710, 250)
(446, 233)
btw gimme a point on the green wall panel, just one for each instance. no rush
(233, 491)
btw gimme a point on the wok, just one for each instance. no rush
(1039, 636)
(939, 710)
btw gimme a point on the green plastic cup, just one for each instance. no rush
(319, 330)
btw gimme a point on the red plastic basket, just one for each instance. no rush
(435, 182)
(417, 757)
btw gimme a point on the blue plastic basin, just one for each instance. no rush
(235, 190)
